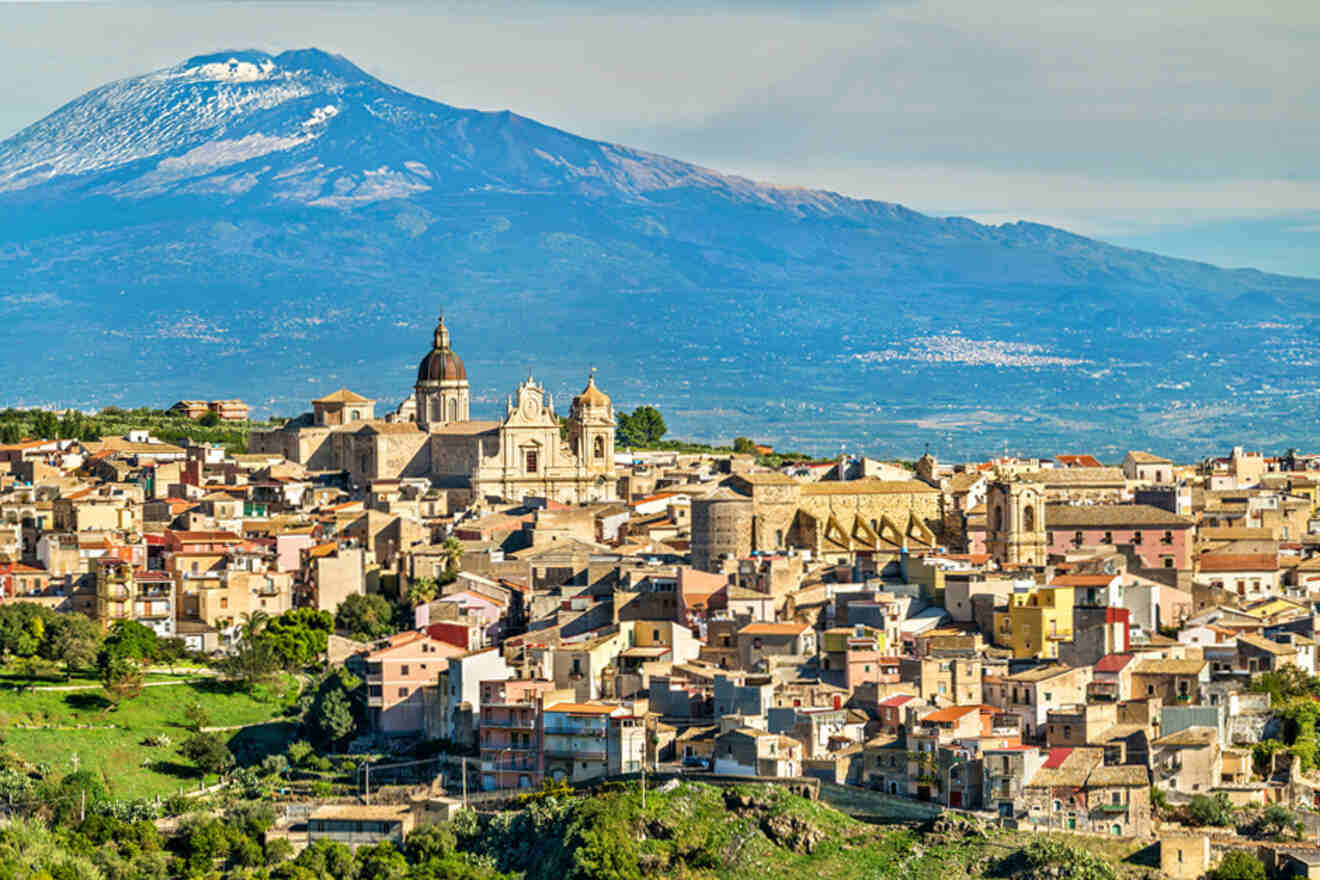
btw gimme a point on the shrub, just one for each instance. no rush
(1239, 865)
(1205, 810)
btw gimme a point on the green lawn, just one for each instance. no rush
(112, 741)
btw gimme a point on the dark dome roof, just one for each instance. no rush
(441, 366)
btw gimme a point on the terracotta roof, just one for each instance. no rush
(583, 708)
(952, 713)
(1170, 667)
(1113, 662)
(1147, 458)
(1218, 562)
(1061, 516)
(1056, 758)
(897, 700)
(773, 629)
(1083, 580)
(1086, 461)
(343, 395)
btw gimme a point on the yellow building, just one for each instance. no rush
(1035, 622)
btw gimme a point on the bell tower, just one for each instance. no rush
(591, 429)
(1015, 523)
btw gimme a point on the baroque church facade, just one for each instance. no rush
(525, 454)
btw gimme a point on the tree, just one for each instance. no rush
(209, 420)
(10, 432)
(1239, 865)
(381, 862)
(123, 679)
(365, 616)
(644, 426)
(252, 662)
(129, 640)
(335, 720)
(45, 425)
(77, 650)
(196, 716)
(299, 636)
(208, 752)
(744, 446)
(422, 591)
(68, 797)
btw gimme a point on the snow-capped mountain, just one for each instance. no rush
(313, 128)
(256, 225)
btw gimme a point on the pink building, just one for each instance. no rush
(509, 733)
(869, 667)
(1160, 538)
(396, 675)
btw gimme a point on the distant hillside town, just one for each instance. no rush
(1056, 643)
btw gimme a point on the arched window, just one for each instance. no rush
(453, 410)
(1029, 518)
(437, 410)
(598, 448)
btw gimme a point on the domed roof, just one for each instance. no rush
(591, 395)
(441, 365)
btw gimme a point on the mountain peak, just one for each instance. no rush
(251, 65)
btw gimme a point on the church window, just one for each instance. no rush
(1029, 518)
(453, 410)
(999, 519)
(599, 448)
(532, 462)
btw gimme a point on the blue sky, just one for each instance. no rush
(1187, 126)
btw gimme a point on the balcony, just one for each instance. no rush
(509, 723)
(568, 731)
(114, 592)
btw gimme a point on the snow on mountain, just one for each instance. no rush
(215, 123)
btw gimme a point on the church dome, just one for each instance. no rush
(441, 365)
(591, 395)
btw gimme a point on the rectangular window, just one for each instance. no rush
(532, 463)
(403, 692)
(403, 670)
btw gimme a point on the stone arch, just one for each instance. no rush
(1029, 517)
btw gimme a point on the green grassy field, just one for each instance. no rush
(52, 726)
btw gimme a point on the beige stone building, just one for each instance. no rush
(524, 454)
(838, 520)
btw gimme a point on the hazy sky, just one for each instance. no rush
(1190, 127)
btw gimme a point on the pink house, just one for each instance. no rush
(869, 667)
(396, 675)
(1160, 538)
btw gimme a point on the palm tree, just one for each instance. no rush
(253, 623)
(453, 549)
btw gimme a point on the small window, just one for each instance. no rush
(403, 692)
(533, 464)
(1136, 537)
(403, 670)
(1109, 537)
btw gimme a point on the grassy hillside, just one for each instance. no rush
(764, 833)
(50, 727)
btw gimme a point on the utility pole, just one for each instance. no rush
(82, 807)
(366, 769)
(463, 758)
